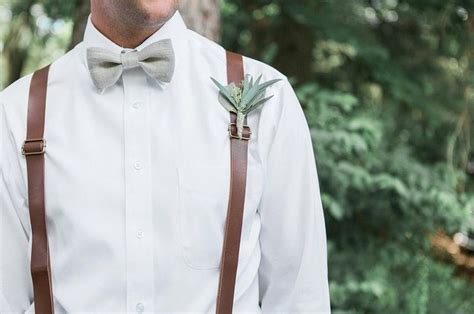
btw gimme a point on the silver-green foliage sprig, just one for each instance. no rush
(243, 98)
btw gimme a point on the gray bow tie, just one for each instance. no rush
(106, 67)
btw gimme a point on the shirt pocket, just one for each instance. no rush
(203, 204)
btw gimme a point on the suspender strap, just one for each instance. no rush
(34, 149)
(238, 177)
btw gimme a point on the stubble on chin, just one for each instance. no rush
(137, 14)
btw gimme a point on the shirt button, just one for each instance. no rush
(140, 234)
(140, 307)
(137, 165)
(136, 105)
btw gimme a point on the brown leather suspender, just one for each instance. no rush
(238, 178)
(34, 149)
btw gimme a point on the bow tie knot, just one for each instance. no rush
(157, 60)
(129, 60)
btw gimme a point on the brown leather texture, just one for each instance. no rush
(33, 147)
(235, 211)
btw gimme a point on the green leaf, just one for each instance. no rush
(260, 102)
(269, 83)
(224, 91)
(255, 94)
(252, 91)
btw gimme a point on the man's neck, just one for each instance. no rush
(121, 34)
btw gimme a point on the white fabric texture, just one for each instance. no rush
(137, 187)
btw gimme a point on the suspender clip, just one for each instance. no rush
(233, 132)
(33, 147)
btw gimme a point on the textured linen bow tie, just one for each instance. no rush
(106, 67)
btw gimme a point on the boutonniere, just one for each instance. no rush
(243, 98)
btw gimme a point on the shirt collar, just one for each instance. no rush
(174, 29)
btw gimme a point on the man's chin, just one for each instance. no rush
(157, 12)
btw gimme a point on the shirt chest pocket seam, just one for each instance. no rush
(202, 211)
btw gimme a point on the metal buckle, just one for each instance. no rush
(233, 132)
(32, 151)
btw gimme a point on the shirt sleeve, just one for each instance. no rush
(15, 278)
(293, 268)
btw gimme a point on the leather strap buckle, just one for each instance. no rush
(233, 132)
(33, 147)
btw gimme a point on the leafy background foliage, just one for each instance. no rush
(387, 88)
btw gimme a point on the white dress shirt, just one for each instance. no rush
(137, 184)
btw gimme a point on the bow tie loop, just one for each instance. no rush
(129, 60)
(157, 61)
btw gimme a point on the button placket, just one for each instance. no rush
(138, 207)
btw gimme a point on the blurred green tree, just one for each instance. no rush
(32, 25)
(17, 40)
(387, 87)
